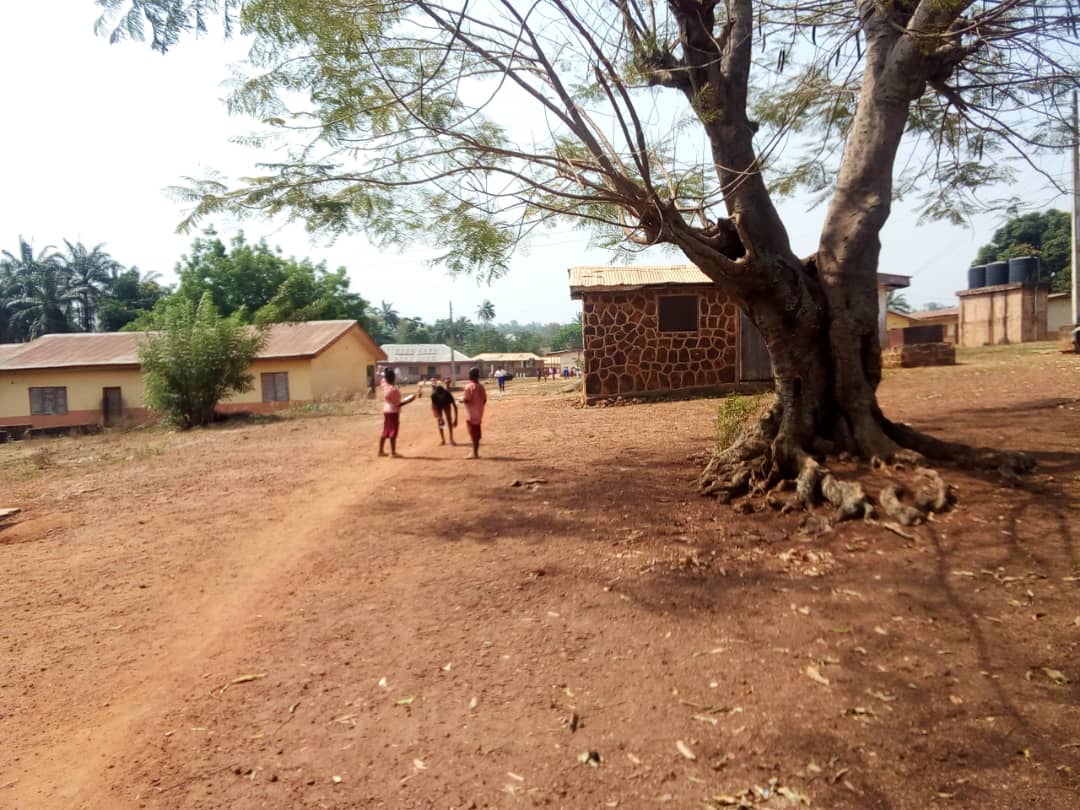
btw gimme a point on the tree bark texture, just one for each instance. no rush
(819, 316)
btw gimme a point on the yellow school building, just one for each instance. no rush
(94, 379)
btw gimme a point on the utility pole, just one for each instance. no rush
(1075, 225)
(451, 346)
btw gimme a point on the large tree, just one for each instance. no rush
(470, 126)
(90, 271)
(264, 285)
(1045, 234)
(38, 296)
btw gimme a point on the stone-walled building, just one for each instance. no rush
(653, 330)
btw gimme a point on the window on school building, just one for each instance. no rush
(48, 401)
(679, 313)
(275, 386)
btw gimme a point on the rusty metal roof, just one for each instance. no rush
(96, 349)
(944, 312)
(634, 277)
(8, 349)
(609, 277)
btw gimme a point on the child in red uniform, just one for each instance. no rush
(474, 399)
(392, 404)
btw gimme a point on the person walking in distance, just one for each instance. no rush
(474, 399)
(500, 378)
(441, 403)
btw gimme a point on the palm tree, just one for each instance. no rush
(897, 302)
(38, 298)
(486, 312)
(389, 315)
(90, 272)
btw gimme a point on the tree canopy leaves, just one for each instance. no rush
(469, 126)
(1046, 234)
(196, 359)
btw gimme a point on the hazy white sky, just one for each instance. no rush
(93, 134)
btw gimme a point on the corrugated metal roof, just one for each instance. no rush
(616, 278)
(89, 349)
(121, 348)
(934, 313)
(602, 277)
(421, 353)
(9, 349)
(303, 339)
(506, 357)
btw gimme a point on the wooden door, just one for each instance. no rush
(754, 362)
(112, 405)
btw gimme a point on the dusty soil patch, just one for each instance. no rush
(267, 616)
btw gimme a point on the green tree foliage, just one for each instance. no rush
(485, 313)
(196, 360)
(412, 330)
(89, 274)
(260, 284)
(37, 301)
(897, 302)
(130, 301)
(568, 337)
(1045, 234)
(81, 290)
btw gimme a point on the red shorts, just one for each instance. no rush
(474, 431)
(390, 422)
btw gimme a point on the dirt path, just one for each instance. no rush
(426, 634)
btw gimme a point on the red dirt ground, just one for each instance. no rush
(265, 615)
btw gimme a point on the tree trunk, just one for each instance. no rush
(827, 367)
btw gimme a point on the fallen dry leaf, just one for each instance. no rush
(813, 674)
(243, 679)
(793, 796)
(1056, 675)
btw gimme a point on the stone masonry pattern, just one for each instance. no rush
(626, 353)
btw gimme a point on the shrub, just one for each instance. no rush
(196, 359)
(736, 413)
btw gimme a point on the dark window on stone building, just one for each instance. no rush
(679, 313)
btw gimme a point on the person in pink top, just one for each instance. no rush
(392, 404)
(474, 399)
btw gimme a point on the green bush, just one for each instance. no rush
(736, 413)
(196, 359)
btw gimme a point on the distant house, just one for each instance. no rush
(518, 363)
(75, 380)
(948, 318)
(424, 361)
(1058, 313)
(566, 360)
(654, 329)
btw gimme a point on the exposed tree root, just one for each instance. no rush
(762, 462)
(894, 507)
(963, 455)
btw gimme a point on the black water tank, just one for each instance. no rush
(997, 273)
(1024, 269)
(976, 276)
